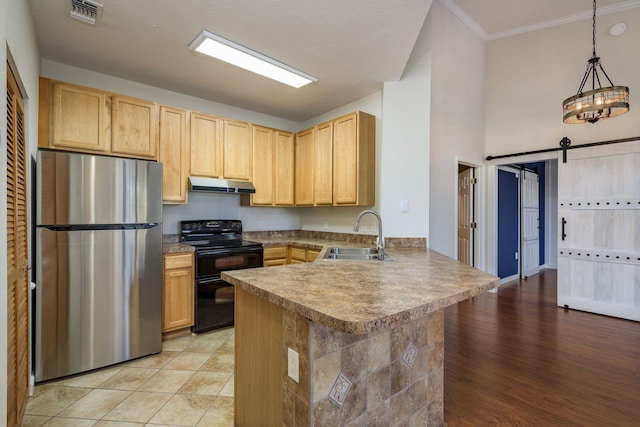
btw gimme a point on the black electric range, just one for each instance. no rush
(218, 247)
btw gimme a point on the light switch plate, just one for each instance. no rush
(293, 365)
(404, 206)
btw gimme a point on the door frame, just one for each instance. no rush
(477, 248)
(551, 208)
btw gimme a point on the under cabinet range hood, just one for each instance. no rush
(214, 185)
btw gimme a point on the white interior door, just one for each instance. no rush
(465, 216)
(599, 230)
(530, 225)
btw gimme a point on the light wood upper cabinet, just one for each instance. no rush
(177, 291)
(284, 168)
(354, 160)
(81, 119)
(206, 145)
(134, 127)
(273, 168)
(174, 154)
(237, 150)
(304, 153)
(263, 161)
(323, 164)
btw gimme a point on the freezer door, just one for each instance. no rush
(84, 189)
(98, 298)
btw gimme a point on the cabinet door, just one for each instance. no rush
(323, 161)
(263, 159)
(237, 150)
(345, 159)
(135, 127)
(206, 145)
(304, 168)
(284, 168)
(354, 159)
(177, 292)
(174, 152)
(81, 119)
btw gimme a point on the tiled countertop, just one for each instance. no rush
(364, 296)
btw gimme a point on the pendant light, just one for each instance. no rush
(599, 102)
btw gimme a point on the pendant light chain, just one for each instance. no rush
(594, 28)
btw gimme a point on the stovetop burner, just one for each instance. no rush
(214, 234)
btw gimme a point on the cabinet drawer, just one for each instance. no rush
(275, 253)
(275, 262)
(178, 261)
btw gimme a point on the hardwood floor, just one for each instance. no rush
(516, 359)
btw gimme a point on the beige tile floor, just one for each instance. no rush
(190, 383)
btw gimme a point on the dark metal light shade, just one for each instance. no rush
(596, 104)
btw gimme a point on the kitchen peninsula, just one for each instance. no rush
(369, 338)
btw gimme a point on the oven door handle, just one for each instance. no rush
(209, 280)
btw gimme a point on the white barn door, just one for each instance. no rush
(599, 230)
(530, 252)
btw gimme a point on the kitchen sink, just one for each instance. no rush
(358, 254)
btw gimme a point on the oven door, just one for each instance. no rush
(211, 262)
(214, 297)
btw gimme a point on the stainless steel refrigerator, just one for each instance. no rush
(98, 262)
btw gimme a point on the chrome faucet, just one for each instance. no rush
(380, 241)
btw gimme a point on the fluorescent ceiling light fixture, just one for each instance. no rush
(225, 50)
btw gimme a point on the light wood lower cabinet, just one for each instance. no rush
(177, 291)
(276, 255)
(259, 368)
(281, 255)
(312, 254)
(297, 255)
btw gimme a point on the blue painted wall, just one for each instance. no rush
(508, 200)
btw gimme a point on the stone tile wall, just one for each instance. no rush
(391, 378)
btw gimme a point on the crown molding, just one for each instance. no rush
(466, 19)
(480, 32)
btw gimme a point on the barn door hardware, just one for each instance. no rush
(565, 143)
(564, 222)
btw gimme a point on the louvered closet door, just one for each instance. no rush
(17, 260)
(599, 230)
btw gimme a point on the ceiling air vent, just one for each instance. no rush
(85, 11)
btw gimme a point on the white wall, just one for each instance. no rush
(457, 120)
(528, 77)
(18, 47)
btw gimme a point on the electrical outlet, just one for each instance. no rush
(326, 225)
(404, 206)
(293, 365)
(260, 224)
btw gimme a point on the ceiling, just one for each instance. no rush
(352, 46)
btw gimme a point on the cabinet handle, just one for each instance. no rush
(564, 222)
